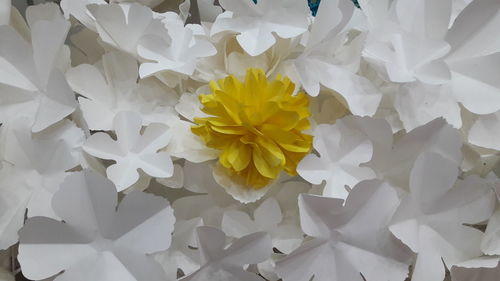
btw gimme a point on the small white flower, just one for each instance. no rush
(132, 150)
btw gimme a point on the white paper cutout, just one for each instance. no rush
(219, 263)
(34, 88)
(97, 241)
(178, 55)
(347, 240)
(394, 164)
(132, 150)
(106, 94)
(323, 62)
(341, 150)
(256, 23)
(418, 104)
(182, 253)
(123, 25)
(430, 219)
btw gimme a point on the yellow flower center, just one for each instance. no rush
(257, 125)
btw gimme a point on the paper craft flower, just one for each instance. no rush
(431, 218)
(123, 25)
(348, 240)
(97, 240)
(342, 149)
(27, 179)
(115, 89)
(35, 88)
(256, 22)
(257, 125)
(225, 264)
(132, 150)
(178, 54)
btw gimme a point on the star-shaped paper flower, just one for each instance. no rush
(97, 240)
(132, 150)
(431, 218)
(34, 165)
(106, 93)
(324, 60)
(123, 25)
(342, 148)
(267, 217)
(348, 241)
(177, 54)
(255, 23)
(31, 85)
(257, 127)
(226, 264)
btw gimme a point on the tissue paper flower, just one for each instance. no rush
(225, 264)
(97, 240)
(344, 236)
(132, 150)
(257, 125)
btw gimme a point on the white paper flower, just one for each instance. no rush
(431, 218)
(348, 240)
(178, 54)
(418, 104)
(266, 217)
(226, 264)
(30, 83)
(97, 240)
(106, 93)
(256, 23)
(123, 25)
(415, 41)
(132, 150)
(342, 148)
(181, 253)
(395, 162)
(34, 165)
(332, 60)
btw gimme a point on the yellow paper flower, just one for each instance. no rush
(257, 125)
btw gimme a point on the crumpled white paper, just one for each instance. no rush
(132, 150)
(96, 240)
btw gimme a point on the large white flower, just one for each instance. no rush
(348, 240)
(31, 85)
(97, 240)
(431, 218)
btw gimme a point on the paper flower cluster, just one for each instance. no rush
(250, 140)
